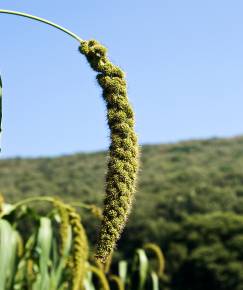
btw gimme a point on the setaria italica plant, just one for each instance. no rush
(123, 153)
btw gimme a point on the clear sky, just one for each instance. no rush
(184, 64)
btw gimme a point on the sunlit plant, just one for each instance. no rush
(56, 254)
(123, 151)
(53, 252)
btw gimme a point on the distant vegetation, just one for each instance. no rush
(189, 201)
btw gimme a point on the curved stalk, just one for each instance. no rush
(29, 200)
(33, 199)
(70, 33)
(45, 199)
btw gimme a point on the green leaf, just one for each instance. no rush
(44, 243)
(59, 266)
(155, 281)
(141, 264)
(8, 252)
(122, 270)
(88, 284)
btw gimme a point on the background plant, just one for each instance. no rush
(178, 183)
(43, 256)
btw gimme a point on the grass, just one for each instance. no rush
(36, 260)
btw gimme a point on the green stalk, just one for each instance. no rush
(33, 199)
(70, 33)
(44, 199)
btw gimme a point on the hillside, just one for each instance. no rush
(185, 174)
(183, 188)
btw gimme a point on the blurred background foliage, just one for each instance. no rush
(189, 202)
(50, 251)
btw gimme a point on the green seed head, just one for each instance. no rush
(123, 153)
(64, 224)
(80, 248)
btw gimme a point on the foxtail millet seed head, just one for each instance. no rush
(64, 223)
(80, 249)
(123, 151)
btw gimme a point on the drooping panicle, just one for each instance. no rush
(80, 248)
(123, 151)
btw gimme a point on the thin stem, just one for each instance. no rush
(32, 199)
(45, 199)
(28, 200)
(75, 36)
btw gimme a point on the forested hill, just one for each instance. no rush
(189, 201)
(199, 175)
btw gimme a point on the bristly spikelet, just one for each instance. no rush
(64, 224)
(123, 154)
(96, 211)
(80, 249)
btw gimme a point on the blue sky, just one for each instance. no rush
(184, 64)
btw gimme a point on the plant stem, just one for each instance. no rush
(32, 199)
(75, 36)
(45, 199)
(28, 200)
